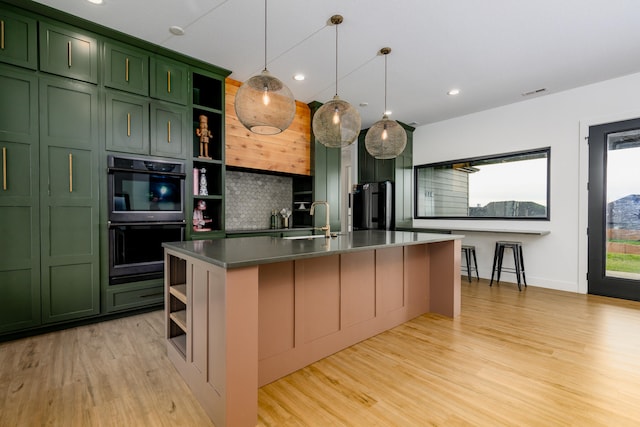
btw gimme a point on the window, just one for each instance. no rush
(502, 186)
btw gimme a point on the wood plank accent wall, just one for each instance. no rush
(289, 151)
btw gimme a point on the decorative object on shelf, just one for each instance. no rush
(204, 133)
(199, 220)
(337, 123)
(203, 183)
(274, 219)
(264, 104)
(386, 139)
(286, 213)
(196, 181)
(302, 206)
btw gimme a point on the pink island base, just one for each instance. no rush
(249, 326)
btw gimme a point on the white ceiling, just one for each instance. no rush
(492, 50)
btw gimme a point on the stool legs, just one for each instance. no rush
(518, 261)
(475, 264)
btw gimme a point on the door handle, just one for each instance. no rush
(169, 131)
(2, 34)
(126, 70)
(168, 81)
(4, 168)
(69, 54)
(128, 124)
(70, 173)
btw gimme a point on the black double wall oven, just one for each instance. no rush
(146, 208)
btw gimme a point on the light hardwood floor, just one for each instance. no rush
(532, 358)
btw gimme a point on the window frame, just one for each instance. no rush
(545, 150)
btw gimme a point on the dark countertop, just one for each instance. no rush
(269, 230)
(247, 251)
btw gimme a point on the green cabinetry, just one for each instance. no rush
(69, 199)
(18, 43)
(169, 80)
(168, 130)
(19, 216)
(69, 53)
(398, 170)
(207, 154)
(126, 69)
(326, 178)
(127, 125)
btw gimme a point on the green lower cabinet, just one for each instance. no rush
(134, 295)
(168, 131)
(19, 269)
(69, 217)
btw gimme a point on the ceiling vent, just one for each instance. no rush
(535, 92)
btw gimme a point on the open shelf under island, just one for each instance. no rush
(259, 308)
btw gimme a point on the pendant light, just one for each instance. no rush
(386, 139)
(264, 104)
(336, 123)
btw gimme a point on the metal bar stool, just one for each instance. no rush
(518, 261)
(469, 251)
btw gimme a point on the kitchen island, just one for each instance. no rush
(244, 312)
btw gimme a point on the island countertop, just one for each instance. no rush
(247, 251)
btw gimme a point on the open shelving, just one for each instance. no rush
(177, 328)
(208, 158)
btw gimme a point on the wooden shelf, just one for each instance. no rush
(180, 319)
(180, 292)
(180, 343)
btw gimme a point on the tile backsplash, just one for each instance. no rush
(250, 198)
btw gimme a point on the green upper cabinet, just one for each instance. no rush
(169, 80)
(126, 68)
(371, 169)
(326, 178)
(18, 43)
(68, 53)
(19, 219)
(168, 130)
(398, 170)
(69, 199)
(127, 123)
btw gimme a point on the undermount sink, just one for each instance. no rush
(309, 237)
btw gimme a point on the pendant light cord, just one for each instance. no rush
(385, 85)
(265, 35)
(336, 25)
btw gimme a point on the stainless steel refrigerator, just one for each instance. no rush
(373, 206)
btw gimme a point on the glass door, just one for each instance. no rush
(614, 209)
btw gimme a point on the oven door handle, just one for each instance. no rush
(118, 224)
(178, 174)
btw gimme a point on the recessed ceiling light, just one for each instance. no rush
(95, 1)
(299, 77)
(388, 112)
(364, 104)
(176, 31)
(453, 92)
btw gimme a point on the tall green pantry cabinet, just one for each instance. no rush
(69, 199)
(19, 213)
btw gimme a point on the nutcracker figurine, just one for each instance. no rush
(204, 133)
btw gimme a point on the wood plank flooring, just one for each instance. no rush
(532, 358)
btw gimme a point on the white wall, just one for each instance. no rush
(561, 121)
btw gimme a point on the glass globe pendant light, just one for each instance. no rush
(336, 124)
(264, 104)
(386, 139)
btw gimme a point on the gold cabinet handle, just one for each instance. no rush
(128, 124)
(2, 34)
(169, 81)
(169, 131)
(70, 173)
(4, 168)
(69, 54)
(126, 70)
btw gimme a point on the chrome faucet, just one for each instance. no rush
(327, 226)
